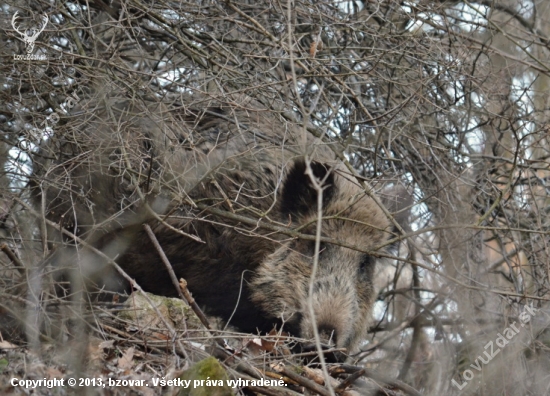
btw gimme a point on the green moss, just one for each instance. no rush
(207, 377)
(3, 365)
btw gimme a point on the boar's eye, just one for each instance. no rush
(366, 265)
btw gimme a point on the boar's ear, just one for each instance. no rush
(398, 201)
(299, 196)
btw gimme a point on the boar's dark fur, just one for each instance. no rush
(90, 176)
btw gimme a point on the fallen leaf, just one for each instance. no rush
(7, 345)
(126, 360)
(53, 373)
(107, 344)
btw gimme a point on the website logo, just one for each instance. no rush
(29, 36)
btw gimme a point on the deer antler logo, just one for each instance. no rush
(30, 35)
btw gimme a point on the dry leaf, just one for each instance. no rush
(126, 360)
(7, 345)
(313, 49)
(107, 344)
(53, 373)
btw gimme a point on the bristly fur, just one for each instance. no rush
(264, 275)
